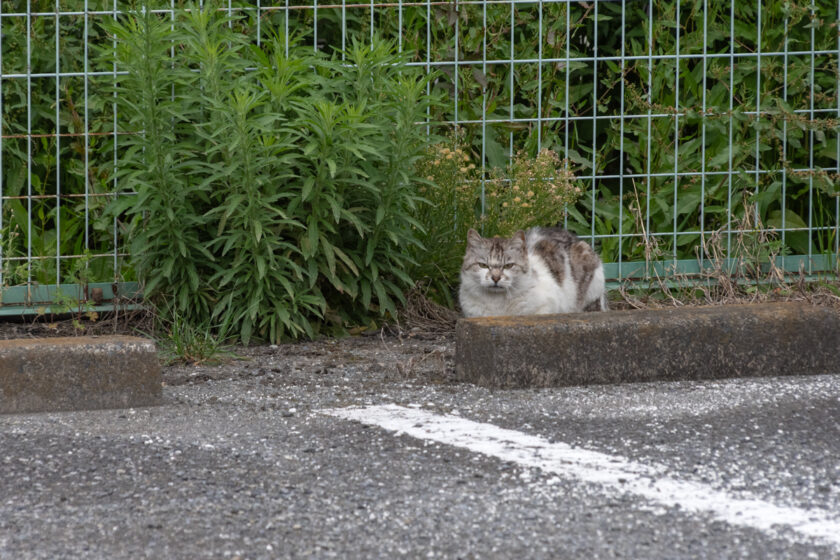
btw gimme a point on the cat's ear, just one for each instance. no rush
(473, 237)
(519, 236)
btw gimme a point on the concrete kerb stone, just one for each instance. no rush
(78, 373)
(645, 345)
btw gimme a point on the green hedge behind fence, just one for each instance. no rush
(675, 115)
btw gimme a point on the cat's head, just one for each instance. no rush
(495, 263)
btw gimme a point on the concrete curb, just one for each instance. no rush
(645, 345)
(78, 373)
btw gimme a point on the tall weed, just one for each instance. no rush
(275, 191)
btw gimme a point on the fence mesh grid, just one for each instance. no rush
(684, 121)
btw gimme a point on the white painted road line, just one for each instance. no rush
(613, 472)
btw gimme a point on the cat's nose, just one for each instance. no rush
(495, 277)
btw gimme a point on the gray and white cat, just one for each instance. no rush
(543, 270)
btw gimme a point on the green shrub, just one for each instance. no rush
(274, 191)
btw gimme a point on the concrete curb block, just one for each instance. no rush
(645, 345)
(78, 373)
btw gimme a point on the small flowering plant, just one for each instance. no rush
(447, 168)
(451, 189)
(531, 191)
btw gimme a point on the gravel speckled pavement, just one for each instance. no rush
(242, 462)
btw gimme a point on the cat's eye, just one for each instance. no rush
(509, 266)
(482, 265)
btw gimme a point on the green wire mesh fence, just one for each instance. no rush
(695, 128)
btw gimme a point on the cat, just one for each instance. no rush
(541, 271)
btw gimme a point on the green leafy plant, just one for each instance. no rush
(275, 186)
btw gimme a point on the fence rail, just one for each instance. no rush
(680, 119)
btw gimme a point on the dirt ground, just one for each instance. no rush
(424, 356)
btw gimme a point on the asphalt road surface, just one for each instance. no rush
(355, 465)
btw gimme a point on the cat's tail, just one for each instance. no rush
(605, 303)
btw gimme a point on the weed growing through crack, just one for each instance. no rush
(183, 342)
